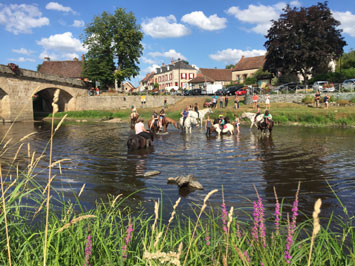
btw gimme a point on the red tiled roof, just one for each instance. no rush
(217, 74)
(246, 63)
(65, 69)
(147, 77)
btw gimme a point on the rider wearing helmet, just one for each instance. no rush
(221, 121)
(155, 120)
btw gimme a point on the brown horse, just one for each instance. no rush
(165, 122)
(139, 142)
(134, 121)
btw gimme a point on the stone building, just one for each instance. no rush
(246, 67)
(65, 69)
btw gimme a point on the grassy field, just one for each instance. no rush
(283, 113)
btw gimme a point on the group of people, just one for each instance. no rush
(223, 101)
(325, 100)
(222, 121)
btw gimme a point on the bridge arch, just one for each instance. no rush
(42, 99)
(4, 104)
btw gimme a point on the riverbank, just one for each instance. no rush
(283, 113)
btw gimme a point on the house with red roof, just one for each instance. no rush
(147, 83)
(211, 76)
(65, 69)
(246, 67)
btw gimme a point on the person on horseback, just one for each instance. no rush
(161, 117)
(140, 130)
(258, 112)
(185, 114)
(267, 118)
(155, 120)
(134, 113)
(221, 121)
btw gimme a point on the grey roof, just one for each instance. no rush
(177, 65)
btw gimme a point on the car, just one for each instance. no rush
(349, 84)
(187, 92)
(323, 86)
(242, 91)
(232, 90)
(220, 92)
(196, 92)
(290, 87)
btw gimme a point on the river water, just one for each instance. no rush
(99, 158)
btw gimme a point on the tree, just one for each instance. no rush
(230, 66)
(303, 41)
(346, 61)
(113, 40)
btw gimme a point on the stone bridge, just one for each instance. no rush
(23, 92)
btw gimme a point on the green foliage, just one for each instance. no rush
(346, 61)
(156, 85)
(308, 99)
(230, 66)
(352, 100)
(39, 66)
(335, 77)
(303, 40)
(343, 102)
(109, 39)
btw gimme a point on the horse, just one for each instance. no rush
(155, 127)
(228, 128)
(134, 120)
(263, 126)
(136, 142)
(201, 115)
(189, 122)
(251, 117)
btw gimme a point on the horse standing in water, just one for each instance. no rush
(201, 115)
(136, 142)
(228, 128)
(263, 126)
(134, 120)
(189, 122)
(251, 117)
(165, 123)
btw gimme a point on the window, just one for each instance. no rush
(183, 75)
(176, 84)
(191, 75)
(170, 76)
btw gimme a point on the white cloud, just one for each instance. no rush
(347, 20)
(78, 23)
(22, 51)
(22, 59)
(147, 60)
(21, 18)
(232, 56)
(199, 19)
(61, 46)
(58, 7)
(152, 68)
(171, 54)
(164, 27)
(295, 4)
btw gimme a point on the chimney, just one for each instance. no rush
(172, 61)
(162, 64)
(75, 59)
(242, 58)
(47, 58)
(82, 57)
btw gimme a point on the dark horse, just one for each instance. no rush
(134, 121)
(165, 122)
(136, 142)
(264, 126)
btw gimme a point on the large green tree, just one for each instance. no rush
(303, 41)
(114, 47)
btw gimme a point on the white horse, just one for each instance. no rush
(227, 128)
(251, 117)
(201, 115)
(189, 122)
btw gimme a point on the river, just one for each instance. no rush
(98, 157)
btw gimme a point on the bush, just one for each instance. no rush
(308, 99)
(343, 102)
(352, 100)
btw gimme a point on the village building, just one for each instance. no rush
(147, 84)
(211, 76)
(65, 69)
(175, 75)
(246, 67)
(127, 87)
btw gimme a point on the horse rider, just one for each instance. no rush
(140, 130)
(185, 114)
(155, 120)
(258, 112)
(221, 121)
(267, 118)
(161, 117)
(134, 113)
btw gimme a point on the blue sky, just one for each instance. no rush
(207, 33)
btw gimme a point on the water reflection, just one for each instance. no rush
(99, 158)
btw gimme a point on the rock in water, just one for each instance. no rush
(151, 173)
(185, 181)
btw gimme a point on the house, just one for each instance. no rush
(174, 75)
(246, 67)
(65, 69)
(147, 83)
(127, 87)
(211, 76)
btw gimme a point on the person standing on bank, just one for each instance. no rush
(326, 101)
(221, 100)
(255, 100)
(236, 102)
(267, 101)
(317, 98)
(226, 99)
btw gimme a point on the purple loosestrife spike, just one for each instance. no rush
(261, 222)
(277, 215)
(246, 255)
(255, 231)
(207, 238)
(127, 239)
(224, 217)
(88, 251)
(288, 241)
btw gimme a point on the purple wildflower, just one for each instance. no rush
(256, 221)
(277, 215)
(127, 239)
(288, 242)
(239, 234)
(261, 222)
(207, 238)
(88, 251)
(246, 255)
(224, 217)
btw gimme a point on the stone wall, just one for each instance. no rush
(296, 98)
(122, 102)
